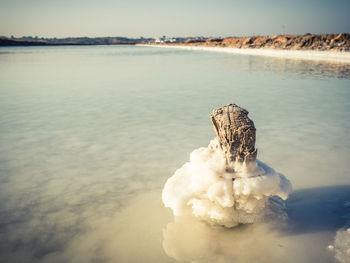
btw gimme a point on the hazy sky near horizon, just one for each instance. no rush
(135, 18)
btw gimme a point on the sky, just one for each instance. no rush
(153, 18)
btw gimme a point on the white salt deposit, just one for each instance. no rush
(331, 56)
(204, 188)
(341, 246)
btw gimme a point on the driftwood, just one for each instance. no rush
(235, 133)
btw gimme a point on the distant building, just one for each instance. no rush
(164, 39)
(158, 40)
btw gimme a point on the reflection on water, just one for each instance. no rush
(89, 135)
(189, 240)
(303, 68)
(319, 211)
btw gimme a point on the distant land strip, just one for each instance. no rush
(35, 41)
(319, 42)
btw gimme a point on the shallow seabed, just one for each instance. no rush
(89, 135)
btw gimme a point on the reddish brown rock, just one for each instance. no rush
(336, 42)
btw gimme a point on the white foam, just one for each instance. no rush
(331, 56)
(203, 188)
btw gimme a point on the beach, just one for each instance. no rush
(330, 56)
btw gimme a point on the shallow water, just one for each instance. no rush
(89, 135)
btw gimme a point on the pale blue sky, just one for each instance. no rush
(134, 18)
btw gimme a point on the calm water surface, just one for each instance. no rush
(89, 135)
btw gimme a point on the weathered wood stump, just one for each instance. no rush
(235, 132)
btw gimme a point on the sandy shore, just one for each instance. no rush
(330, 56)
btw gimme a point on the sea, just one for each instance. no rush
(90, 134)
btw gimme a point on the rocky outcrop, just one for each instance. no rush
(336, 42)
(194, 41)
(235, 133)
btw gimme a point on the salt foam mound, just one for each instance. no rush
(205, 188)
(341, 246)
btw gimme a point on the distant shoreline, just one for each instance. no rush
(321, 42)
(330, 56)
(36, 44)
(322, 47)
(79, 41)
